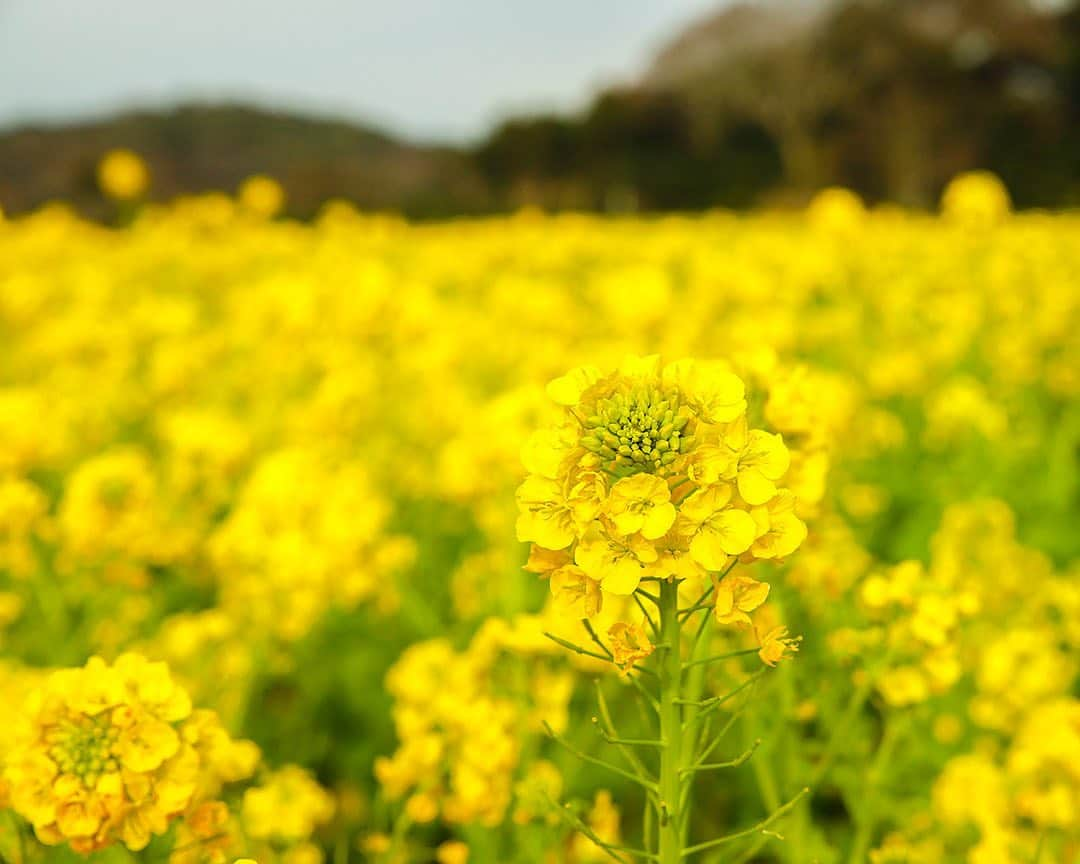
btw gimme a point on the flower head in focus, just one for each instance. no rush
(653, 473)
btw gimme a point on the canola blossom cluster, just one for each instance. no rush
(275, 497)
(654, 474)
(116, 752)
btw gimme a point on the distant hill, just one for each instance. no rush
(198, 148)
(760, 102)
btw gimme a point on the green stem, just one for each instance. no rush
(671, 782)
(866, 815)
(754, 829)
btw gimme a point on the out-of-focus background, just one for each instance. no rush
(433, 109)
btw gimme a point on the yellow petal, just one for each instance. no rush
(658, 521)
(567, 390)
(707, 550)
(735, 529)
(623, 578)
(754, 487)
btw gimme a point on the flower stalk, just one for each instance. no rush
(671, 731)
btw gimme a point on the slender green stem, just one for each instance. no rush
(577, 649)
(587, 624)
(671, 783)
(607, 730)
(645, 612)
(600, 763)
(17, 827)
(731, 763)
(710, 705)
(866, 814)
(716, 658)
(647, 825)
(697, 607)
(753, 829)
(612, 849)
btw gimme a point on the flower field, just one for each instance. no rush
(723, 538)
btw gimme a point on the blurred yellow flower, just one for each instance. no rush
(122, 175)
(262, 196)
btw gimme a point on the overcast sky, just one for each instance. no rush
(430, 69)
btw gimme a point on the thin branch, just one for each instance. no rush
(710, 705)
(754, 829)
(609, 733)
(704, 754)
(579, 826)
(642, 781)
(577, 649)
(718, 657)
(587, 624)
(645, 694)
(630, 742)
(733, 763)
(645, 612)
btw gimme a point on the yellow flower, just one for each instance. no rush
(617, 563)
(761, 462)
(712, 390)
(146, 743)
(641, 504)
(545, 561)
(675, 560)
(977, 199)
(106, 755)
(452, 852)
(779, 531)
(262, 195)
(422, 808)
(629, 643)
(776, 645)
(604, 823)
(289, 805)
(575, 592)
(836, 210)
(716, 531)
(903, 685)
(546, 517)
(122, 175)
(735, 597)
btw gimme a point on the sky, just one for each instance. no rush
(432, 70)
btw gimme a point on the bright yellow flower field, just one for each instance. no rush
(731, 538)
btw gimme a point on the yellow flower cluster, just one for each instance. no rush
(303, 536)
(920, 618)
(653, 473)
(115, 753)
(462, 727)
(459, 741)
(287, 807)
